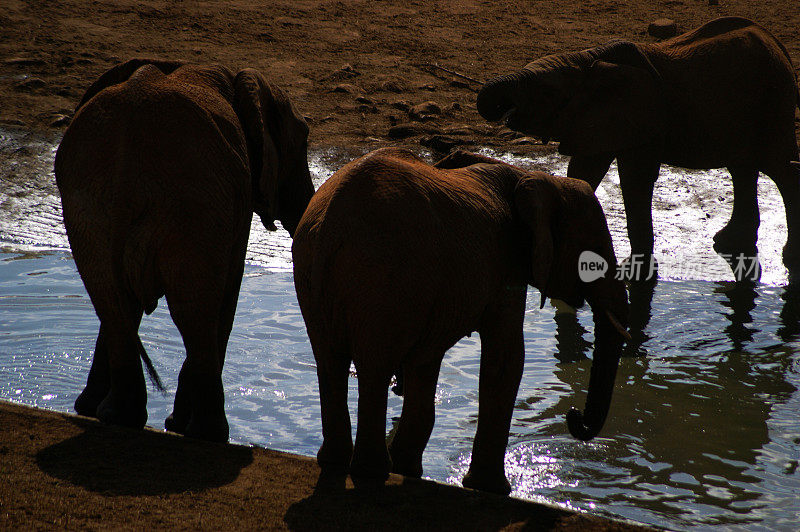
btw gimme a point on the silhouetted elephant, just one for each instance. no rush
(160, 172)
(396, 260)
(723, 95)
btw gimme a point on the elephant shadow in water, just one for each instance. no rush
(122, 461)
(412, 504)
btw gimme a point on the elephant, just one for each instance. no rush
(395, 260)
(159, 173)
(721, 96)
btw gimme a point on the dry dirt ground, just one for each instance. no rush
(65, 472)
(355, 69)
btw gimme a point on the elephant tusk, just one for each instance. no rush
(618, 326)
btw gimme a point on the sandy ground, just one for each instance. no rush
(356, 70)
(67, 472)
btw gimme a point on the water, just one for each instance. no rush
(704, 430)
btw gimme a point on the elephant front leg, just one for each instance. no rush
(502, 358)
(637, 176)
(736, 242)
(99, 382)
(787, 179)
(417, 419)
(590, 168)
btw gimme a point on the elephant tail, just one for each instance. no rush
(151, 370)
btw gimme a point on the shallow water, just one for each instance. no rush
(705, 425)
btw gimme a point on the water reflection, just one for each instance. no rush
(692, 432)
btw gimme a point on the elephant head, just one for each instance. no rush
(565, 219)
(276, 135)
(600, 100)
(277, 143)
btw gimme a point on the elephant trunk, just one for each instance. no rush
(609, 322)
(496, 97)
(294, 197)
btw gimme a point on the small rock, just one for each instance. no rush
(403, 131)
(29, 84)
(84, 61)
(328, 118)
(441, 143)
(364, 100)
(23, 61)
(347, 88)
(509, 134)
(459, 83)
(428, 87)
(365, 108)
(60, 120)
(459, 131)
(525, 140)
(403, 105)
(392, 86)
(424, 111)
(393, 118)
(662, 28)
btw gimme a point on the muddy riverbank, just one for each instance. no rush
(355, 69)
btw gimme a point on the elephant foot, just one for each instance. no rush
(371, 466)
(176, 423)
(742, 260)
(406, 464)
(493, 482)
(90, 398)
(125, 411)
(209, 428)
(639, 267)
(335, 458)
(791, 259)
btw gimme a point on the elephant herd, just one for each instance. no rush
(395, 259)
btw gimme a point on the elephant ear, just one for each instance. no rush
(619, 105)
(256, 106)
(536, 202)
(122, 72)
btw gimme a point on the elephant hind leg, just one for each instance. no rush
(99, 382)
(126, 401)
(736, 242)
(195, 295)
(333, 372)
(417, 419)
(370, 455)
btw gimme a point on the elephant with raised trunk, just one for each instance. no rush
(723, 95)
(160, 172)
(395, 260)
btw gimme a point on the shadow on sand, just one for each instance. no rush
(413, 504)
(140, 462)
